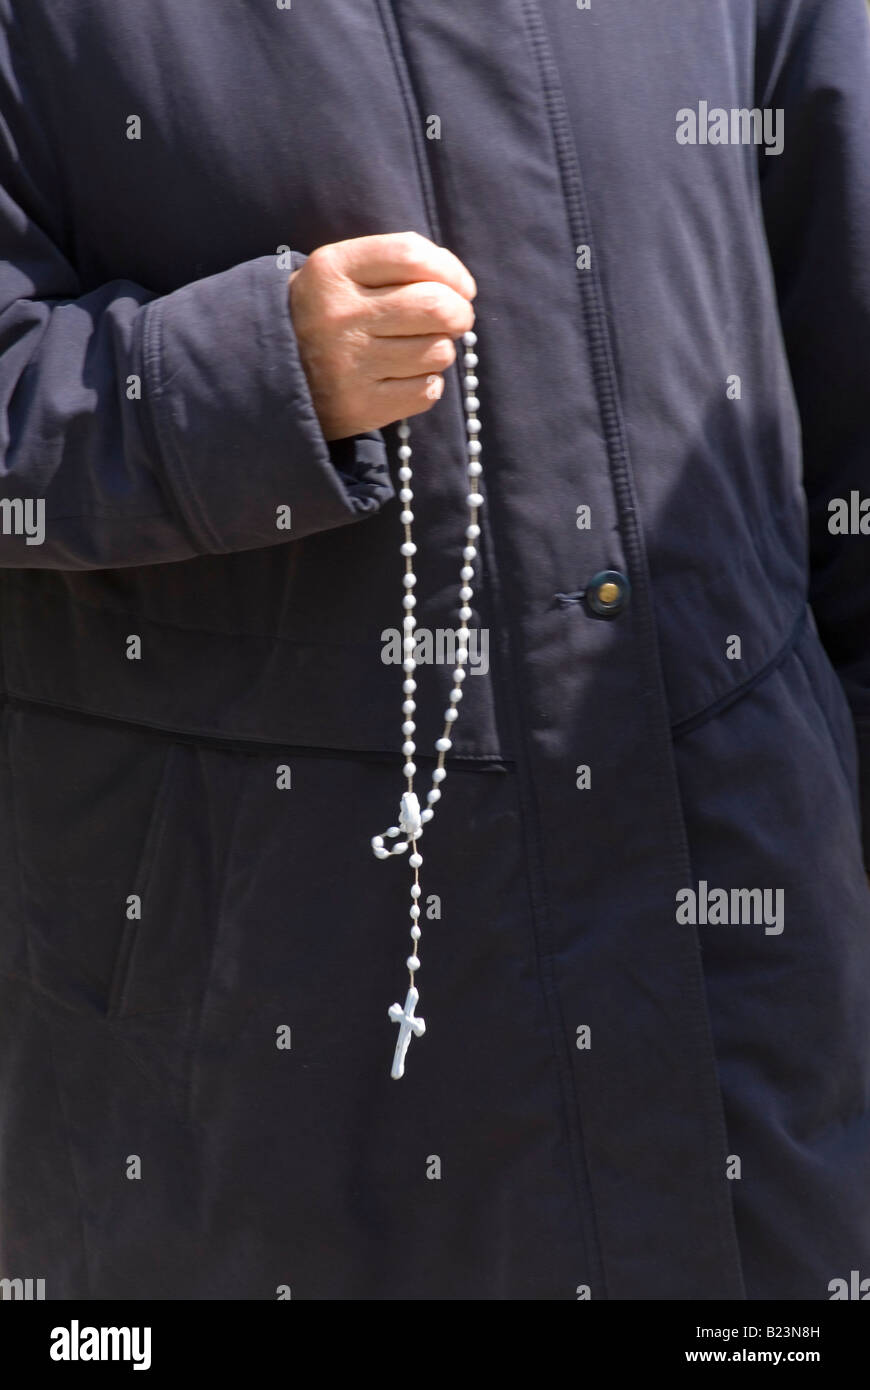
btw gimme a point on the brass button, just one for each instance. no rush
(607, 593)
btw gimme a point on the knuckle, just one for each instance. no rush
(429, 301)
(406, 250)
(319, 259)
(337, 317)
(409, 244)
(442, 354)
(441, 310)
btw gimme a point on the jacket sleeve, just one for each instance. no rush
(813, 60)
(149, 427)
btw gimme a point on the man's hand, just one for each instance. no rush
(375, 319)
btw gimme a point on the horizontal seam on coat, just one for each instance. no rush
(64, 600)
(241, 743)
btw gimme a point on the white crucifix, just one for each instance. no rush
(408, 1024)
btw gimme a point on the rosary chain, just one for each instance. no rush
(411, 818)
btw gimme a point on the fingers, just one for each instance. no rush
(410, 356)
(394, 400)
(401, 258)
(422, 307)
(375, 321)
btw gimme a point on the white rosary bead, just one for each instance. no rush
(408, 770)
(410, 686)
(469, 553)
(472, 404)
(405, 474)
(404, 430)
(409, 579)
(416, 933)
(471, 384)
(415, 890)
(409, 664)
(413, 963)
(469, 361)
(464, 615)
(409, 727)
(415, 912)
(433, 795)
(406, 518)
(409, 748)
(404, 453)
(465, 593)
(475, 448)
(405, 494)
(409, 601)
(443, 745)
(439, 774)
(466, 572)
(451, 714)
(416, 860)
(473, 426)
(472, 531)
(475, 469)
(409, 706)
(408, 548)
(455, 696)
(459, 676)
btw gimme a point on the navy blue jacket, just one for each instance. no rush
(628, 1097)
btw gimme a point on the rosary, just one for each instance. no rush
(411, 817)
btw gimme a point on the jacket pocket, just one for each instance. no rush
(138, 906)
(116, 861)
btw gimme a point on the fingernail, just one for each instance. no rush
(434, 387)
(470, 288)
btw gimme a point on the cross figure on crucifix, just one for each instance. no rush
(408, 1024)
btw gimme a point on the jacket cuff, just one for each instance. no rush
(234, 422)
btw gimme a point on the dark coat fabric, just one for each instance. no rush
(623, 1104)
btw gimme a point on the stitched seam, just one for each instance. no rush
(241, 743)
(530, 830)
(696, 1009)
(412, 110)
(132, 614)
(695, 721)
(124, 965)
(216, 915)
